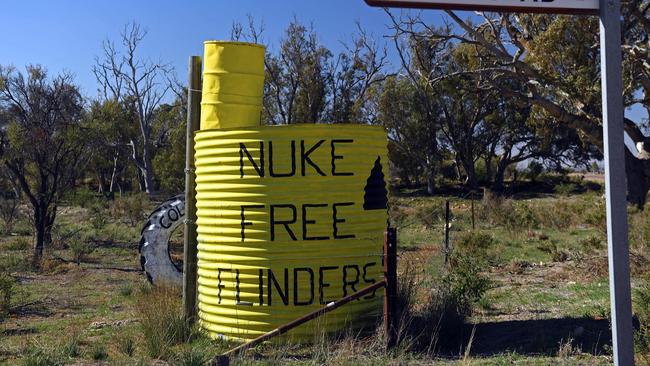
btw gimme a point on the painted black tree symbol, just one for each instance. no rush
(376, 195)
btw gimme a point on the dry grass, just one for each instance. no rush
(161, 320)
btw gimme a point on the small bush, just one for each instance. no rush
(130, 209)
(98, 215)
(473, 241)
(19, 243)
(80, 249)
(466, 282)
(591, 243)
(7, 291)
(557, 254)
(161, 321)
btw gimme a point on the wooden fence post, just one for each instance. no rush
(189, 239)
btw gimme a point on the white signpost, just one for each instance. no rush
(612, 94)
(530, 6)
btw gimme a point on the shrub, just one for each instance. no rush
(473, 241)
(98, 215)
(7, 291)
(80, 249)
(466, 282)
(161, 321)
(557, 254)
(130, 209)
(591, 243)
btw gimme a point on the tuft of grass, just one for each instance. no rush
(161, 321)
(39, 355)
(197, 354)
(15, 262)
(98, 352)
(71, 348)
(567, 349)
(19, 244)
(642, 311)
(126, 290)
(126, 345)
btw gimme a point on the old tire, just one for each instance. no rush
(154, 243)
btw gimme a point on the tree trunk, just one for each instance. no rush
(111, 186)
(40, 223)
(101, 182)
(470, 170)
(147, 172)
(638, 179)
(140, 180)
(498, 186)
(431, 183)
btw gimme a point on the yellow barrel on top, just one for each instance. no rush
(233, 84)
(290, 218)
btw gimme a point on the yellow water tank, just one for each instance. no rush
(290, 218)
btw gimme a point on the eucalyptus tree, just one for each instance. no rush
(44, 144)
(556, 61)
(296, 82)
(141, 85)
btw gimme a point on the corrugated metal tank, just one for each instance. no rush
(290, 218)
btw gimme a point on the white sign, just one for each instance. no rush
(528, 6)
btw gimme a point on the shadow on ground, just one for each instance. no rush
(539, 337)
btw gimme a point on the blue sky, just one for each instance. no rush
(67, 35)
